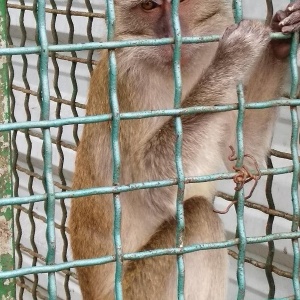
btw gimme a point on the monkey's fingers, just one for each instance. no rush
(287, 21)
(293, 6)
(292, 19)
(279, 16)
(291, 28)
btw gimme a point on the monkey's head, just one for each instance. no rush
(151, 19)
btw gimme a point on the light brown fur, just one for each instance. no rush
(145, 82)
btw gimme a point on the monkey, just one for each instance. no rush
(145, 81)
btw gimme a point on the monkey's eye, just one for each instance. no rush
(149, 5)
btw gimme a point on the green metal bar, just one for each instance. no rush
(241, 198)
(178, 148)
(294, 151)
(146, 114)
(134, 186)
(180, 181)
(59, 146)
(7, 286)
(237, 7)
(115, 132)
(238, 15)
(146, 254)
(121, 44)
(47, 146)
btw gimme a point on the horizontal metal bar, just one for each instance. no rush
(222, 195)
(30, 290)
(54, 141)
(281, 154)
(133, 187)
(59, 11)
(75, 59)
(54, 99)
(41, 258)
(40, 217)
(146, 254)
(146, 114)
(261, 265)
(62, 57)
(264, 209)
(119, 44)
(249, 260)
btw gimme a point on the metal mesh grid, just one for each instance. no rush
(55, 181)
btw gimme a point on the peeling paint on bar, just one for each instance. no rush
(7, 286)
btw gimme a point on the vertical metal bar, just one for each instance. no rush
(60, 149)
(90, 37)
(270, 12)
(73, 69)
(269, 184)
(237, 7)
(178, 147)
(7, 286)
(241, 198)
(269, 228)
(238, 15)
(115, 132)
(47, 146)
(294, 151)
(30, 167)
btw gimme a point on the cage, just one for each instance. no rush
(48, 51)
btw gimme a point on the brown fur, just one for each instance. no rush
(145, 82)
(142, 276)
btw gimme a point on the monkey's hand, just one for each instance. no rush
(285, 21)
(240, 47)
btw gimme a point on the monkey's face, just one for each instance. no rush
(152, 19)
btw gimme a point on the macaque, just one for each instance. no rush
(210, 73)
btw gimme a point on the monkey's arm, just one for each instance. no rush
(239, 48)
(266, 82)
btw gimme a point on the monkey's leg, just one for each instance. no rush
(205, 271)
(88, 241)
